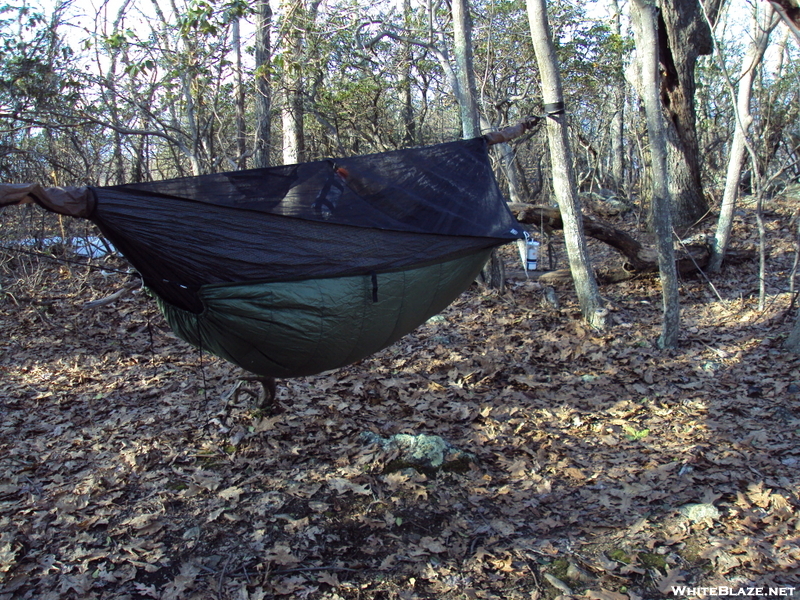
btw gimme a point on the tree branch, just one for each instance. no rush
(125, 290)
(512, 132)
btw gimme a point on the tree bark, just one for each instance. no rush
(647, 49)
(462, 48)
(508, 160)
(409, 126)
(263, 100)
(493, 273)
(292, 113)
(618, 120)
(744, 119)
(683, 35)
(241, 131)
(563, 174)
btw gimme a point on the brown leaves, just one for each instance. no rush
(341, 486)
(122, 471)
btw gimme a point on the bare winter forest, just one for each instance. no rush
(622, 423)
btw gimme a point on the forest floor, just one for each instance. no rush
(128, 471)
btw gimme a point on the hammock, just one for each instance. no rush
(294, 270)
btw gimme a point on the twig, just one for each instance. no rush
(703, 273)
(126, 290)
(223, 572)
(313, 569)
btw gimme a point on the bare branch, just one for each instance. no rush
(512, 132)
(125, 290)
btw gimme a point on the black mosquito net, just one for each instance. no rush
(348, 216)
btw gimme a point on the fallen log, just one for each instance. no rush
(639, 259)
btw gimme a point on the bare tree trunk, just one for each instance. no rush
(645, 28)
(509, 165)
(618, 120)
(263, 100)
(241, 132)
(683, 34)
(563, 174)
(409, 130)
(462, 47)
(493, 273)
(744, 119)
(110, 83)
(292, 113)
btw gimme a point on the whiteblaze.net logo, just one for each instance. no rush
(708, 592)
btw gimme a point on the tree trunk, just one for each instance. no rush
(113, 97)
(563, 174)
(644, 20)
(292, 113)
(263, 100)
(744, 119)
(683, 35)
(493, 273)
(618, 120)
(409, 130)
(509, 165)
(241, 132)
(462, 48)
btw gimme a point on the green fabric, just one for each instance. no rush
(298, 328)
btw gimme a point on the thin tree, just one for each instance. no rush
(263, 100)
(618, 120)
(762, 29)
(493, 273)
(644, 15)
(241, 132)
(465, 72)
(292, 112)
(564, 182)
(407, 64)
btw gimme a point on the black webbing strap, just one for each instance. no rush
(374, 286)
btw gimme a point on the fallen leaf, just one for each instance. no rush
(673, 577)
(342, 486)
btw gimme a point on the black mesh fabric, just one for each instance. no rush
(351, 216)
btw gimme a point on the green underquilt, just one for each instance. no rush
(299, 328)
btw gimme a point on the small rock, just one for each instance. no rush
(698, 513)
(793, 388)
(422, 452)
(575, 573)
